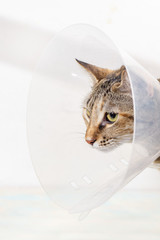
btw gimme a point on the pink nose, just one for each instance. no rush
(90, 141)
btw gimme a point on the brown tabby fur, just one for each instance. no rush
(111, 92)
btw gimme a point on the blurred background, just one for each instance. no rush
(25, 210)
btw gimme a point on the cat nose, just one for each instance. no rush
(90, 141)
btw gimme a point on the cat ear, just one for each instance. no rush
(97, 73)
(124, 85)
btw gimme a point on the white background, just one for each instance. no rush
(25, 29)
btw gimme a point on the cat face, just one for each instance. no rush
(108, 109)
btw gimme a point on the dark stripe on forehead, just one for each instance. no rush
(102, 89)
(88, 101)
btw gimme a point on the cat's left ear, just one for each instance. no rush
(96, 73)
(124, 85)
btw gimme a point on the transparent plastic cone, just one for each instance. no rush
(77, 176)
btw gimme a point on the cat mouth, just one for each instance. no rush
(111, 144)
(107, 146)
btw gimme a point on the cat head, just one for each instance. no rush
(108, 109)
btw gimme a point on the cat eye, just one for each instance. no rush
(87, 113)
(111, 117)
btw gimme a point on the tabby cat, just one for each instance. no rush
(108, 109)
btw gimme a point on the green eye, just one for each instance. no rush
(111, 117)
(88, 113)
